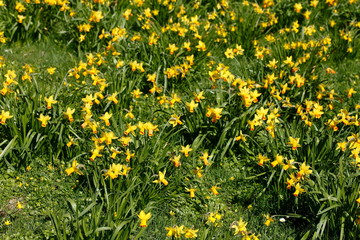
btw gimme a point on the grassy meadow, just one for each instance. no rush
(175, 119)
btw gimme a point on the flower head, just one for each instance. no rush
(144, 217)
(161, 178)
(240, 227)
(74, 168)
(4, 116)
(44, 120)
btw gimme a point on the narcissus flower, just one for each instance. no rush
(4, 116)
(96, 152)
(298, 190)
(175, 120)
(191, 106)
(129, 113)
(279, 160)
(125, 141)
(136, 93)
(297, 7)
(71, 142)
(191, 191)
(290, 182)
(342, 146)
(112, 98)
(130, 129)
(44, 120)
(214, 218)
(186, 150)
(176, 160)
(175, 231)
(199, 96)
(96, 16)
(198, 172)
(240, 227)
(69, 114)
(51, 70)
(201, 46)
(7, 223)
(114, 171)
(106, 118)
(114, 152)
(20, 7)
(74, 168)
(107, 137)
(161, 178)
(150, 128)
(19, 205)
(172, 48)
(350, 92)
(330, 71)
(144, 217)
(214, 113)
(289, 165)
(214, 189)
(268, 220)
(129, 155)
(241, 137)
(191, 233)
(304, 171)
(205, 158)
(261, 158)
(49, 102)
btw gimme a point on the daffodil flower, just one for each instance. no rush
(44, 120)
(144, 217)
(161, 178)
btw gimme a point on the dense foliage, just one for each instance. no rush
(179, 119)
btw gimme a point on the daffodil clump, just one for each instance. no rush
(167, 98)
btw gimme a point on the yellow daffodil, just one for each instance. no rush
(191, 191)
(4, 116)
(205, 158)
(129, 155)
(44, 120)
(51, 70)
(106, 117)
(74, 168)
(185, 150)
(214, 189)
(50, 101)
(262, 159)
(191, 233)
(191, 106)
(69, 114)
(172, 48)
(114, 171)
(279, 160)
(96, 152)
(268, 220)
(176, 160)
(240, 227)
(199, 96)
(298, 190)
(175, 120)
(144, 217)
(7, 223)
(161, 179)
(304, 171)
(175, 231)
(19, 205)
